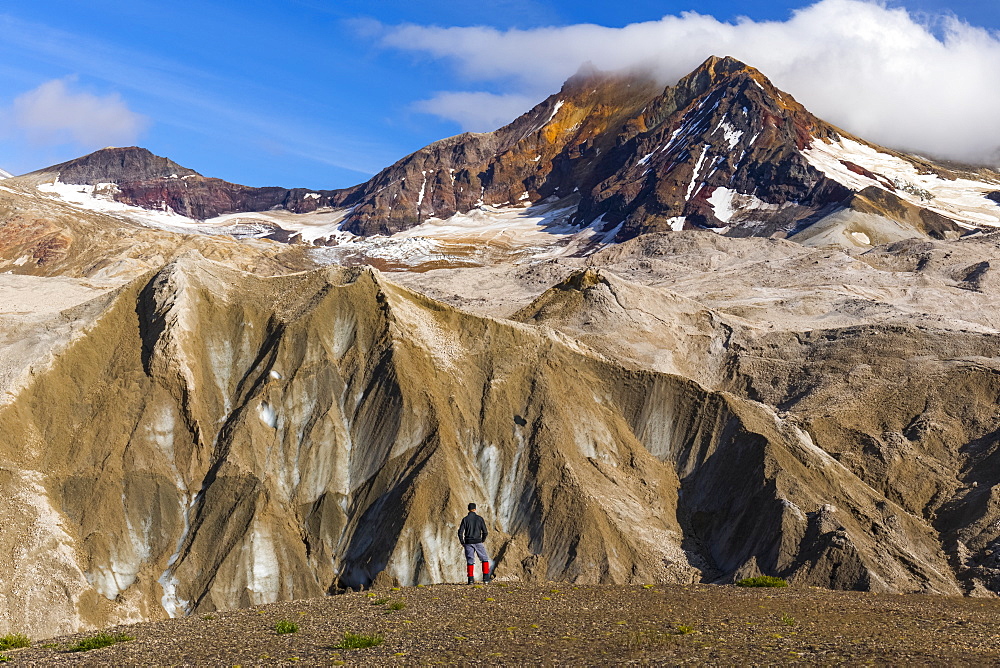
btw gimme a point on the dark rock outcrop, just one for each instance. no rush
(153, 182)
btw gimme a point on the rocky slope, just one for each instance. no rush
(135, 176)
(209, 438)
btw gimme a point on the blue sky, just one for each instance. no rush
(321, 94)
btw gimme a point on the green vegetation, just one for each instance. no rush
(762, 581)
(4, 658)
(638, 640)
(397, 605)
(13, 641)
(285, 626)
(208, 617)
(102, 639)
(683, 630)
(360, 640)
(380, 601)
(788, 620)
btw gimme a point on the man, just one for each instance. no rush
(472, 534)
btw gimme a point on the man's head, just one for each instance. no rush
(472, 507)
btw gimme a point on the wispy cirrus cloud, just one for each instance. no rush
(919, 83)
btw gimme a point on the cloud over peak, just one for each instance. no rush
(925, 84)
(55, 114)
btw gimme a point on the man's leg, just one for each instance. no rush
(470, 561)
(485, 558)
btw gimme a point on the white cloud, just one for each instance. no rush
(926, 84)
(477, 112)
(54, 114)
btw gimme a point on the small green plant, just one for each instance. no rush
(208, 618)
(360, 640)
(380, 601)
(13, 641)
(762, 581)
(49, 645)
(683, 630)
(642, 639)
(788, 620)
(102, 639)
(4, 658)
(397, 605)
(285, 626)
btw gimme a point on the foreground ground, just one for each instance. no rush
(547, 624)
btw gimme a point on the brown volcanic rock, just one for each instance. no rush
(152, 182)
(724, 125)
(200, 197)
(631, 148)
(644, 158)
(545, 152)
(118, 165)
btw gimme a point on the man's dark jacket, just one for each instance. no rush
(472, 530)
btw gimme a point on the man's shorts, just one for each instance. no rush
(475, 550)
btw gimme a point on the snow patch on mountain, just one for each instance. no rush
(859, 166)
(100, 198)
(484, 235)
(728, 204)
(5, 174)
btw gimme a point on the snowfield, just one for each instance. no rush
(962, 200)
(484, 235)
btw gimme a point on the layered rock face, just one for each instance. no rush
(215, 439)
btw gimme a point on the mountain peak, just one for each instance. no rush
(724, 65)
(116, 165)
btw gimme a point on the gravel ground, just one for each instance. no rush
(560, 624)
